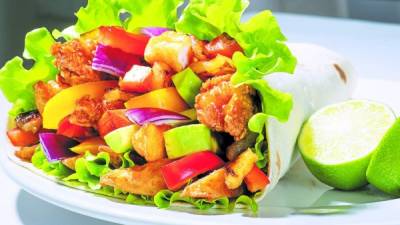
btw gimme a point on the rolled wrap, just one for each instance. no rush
(322, 77)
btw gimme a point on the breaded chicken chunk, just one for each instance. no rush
(225, 108)
(87, 112)
(74, 60)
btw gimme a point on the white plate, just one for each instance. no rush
(298, 199)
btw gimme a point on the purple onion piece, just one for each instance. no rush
(57, 147)
(156, 116)
(113, 61)
(153, 31)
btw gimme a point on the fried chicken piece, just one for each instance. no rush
(220, 65)
(29, 121)
(141, 180)
(225, 108)
(172, 48)
(162, 74)
(45, 91)
(87, 112)
(26, 153)
(74, 60)
(149, 142)
(199, 50)
(115, 99)
(239, 168)
(211, 187)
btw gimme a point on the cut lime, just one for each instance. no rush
(337, 142)
(384, 169)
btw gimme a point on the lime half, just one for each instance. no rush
(384, 169)
(337, 141)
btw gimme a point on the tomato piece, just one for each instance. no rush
(117, 37)
(181, 171)
(66, 128)
(166, 98)
(22, 138)
(256, 180)
(112, 120)
(222, 45)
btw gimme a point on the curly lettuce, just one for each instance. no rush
(207, 19)
(56, 169)
(97, 13)
(17, 82)
(165, 199)
(138, 14)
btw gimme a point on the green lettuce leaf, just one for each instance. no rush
(265, 53)
(126, 160)
(257, 125)
(247, 202)
(56, 169)
(264, 47)
(16, 82)
(150, 13)
(90, 168)
(207, 19)
(164, 199)
(98, 13)
(139, 199)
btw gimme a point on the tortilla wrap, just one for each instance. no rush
(322, 77)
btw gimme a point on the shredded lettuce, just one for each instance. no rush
(207, 19)
(56, 169)
(16, 82)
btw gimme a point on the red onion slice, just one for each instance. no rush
(57, 147)
(156, 116)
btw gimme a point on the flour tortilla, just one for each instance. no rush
(322, 77)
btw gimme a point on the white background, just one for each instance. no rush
(374, 49)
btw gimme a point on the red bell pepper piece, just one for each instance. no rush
(70, 130)
(112, 120)
(22, 138)
(179, 172)
(256, 180)
(222, 45)
(117, 37)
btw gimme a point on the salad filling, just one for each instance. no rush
(152, 108)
